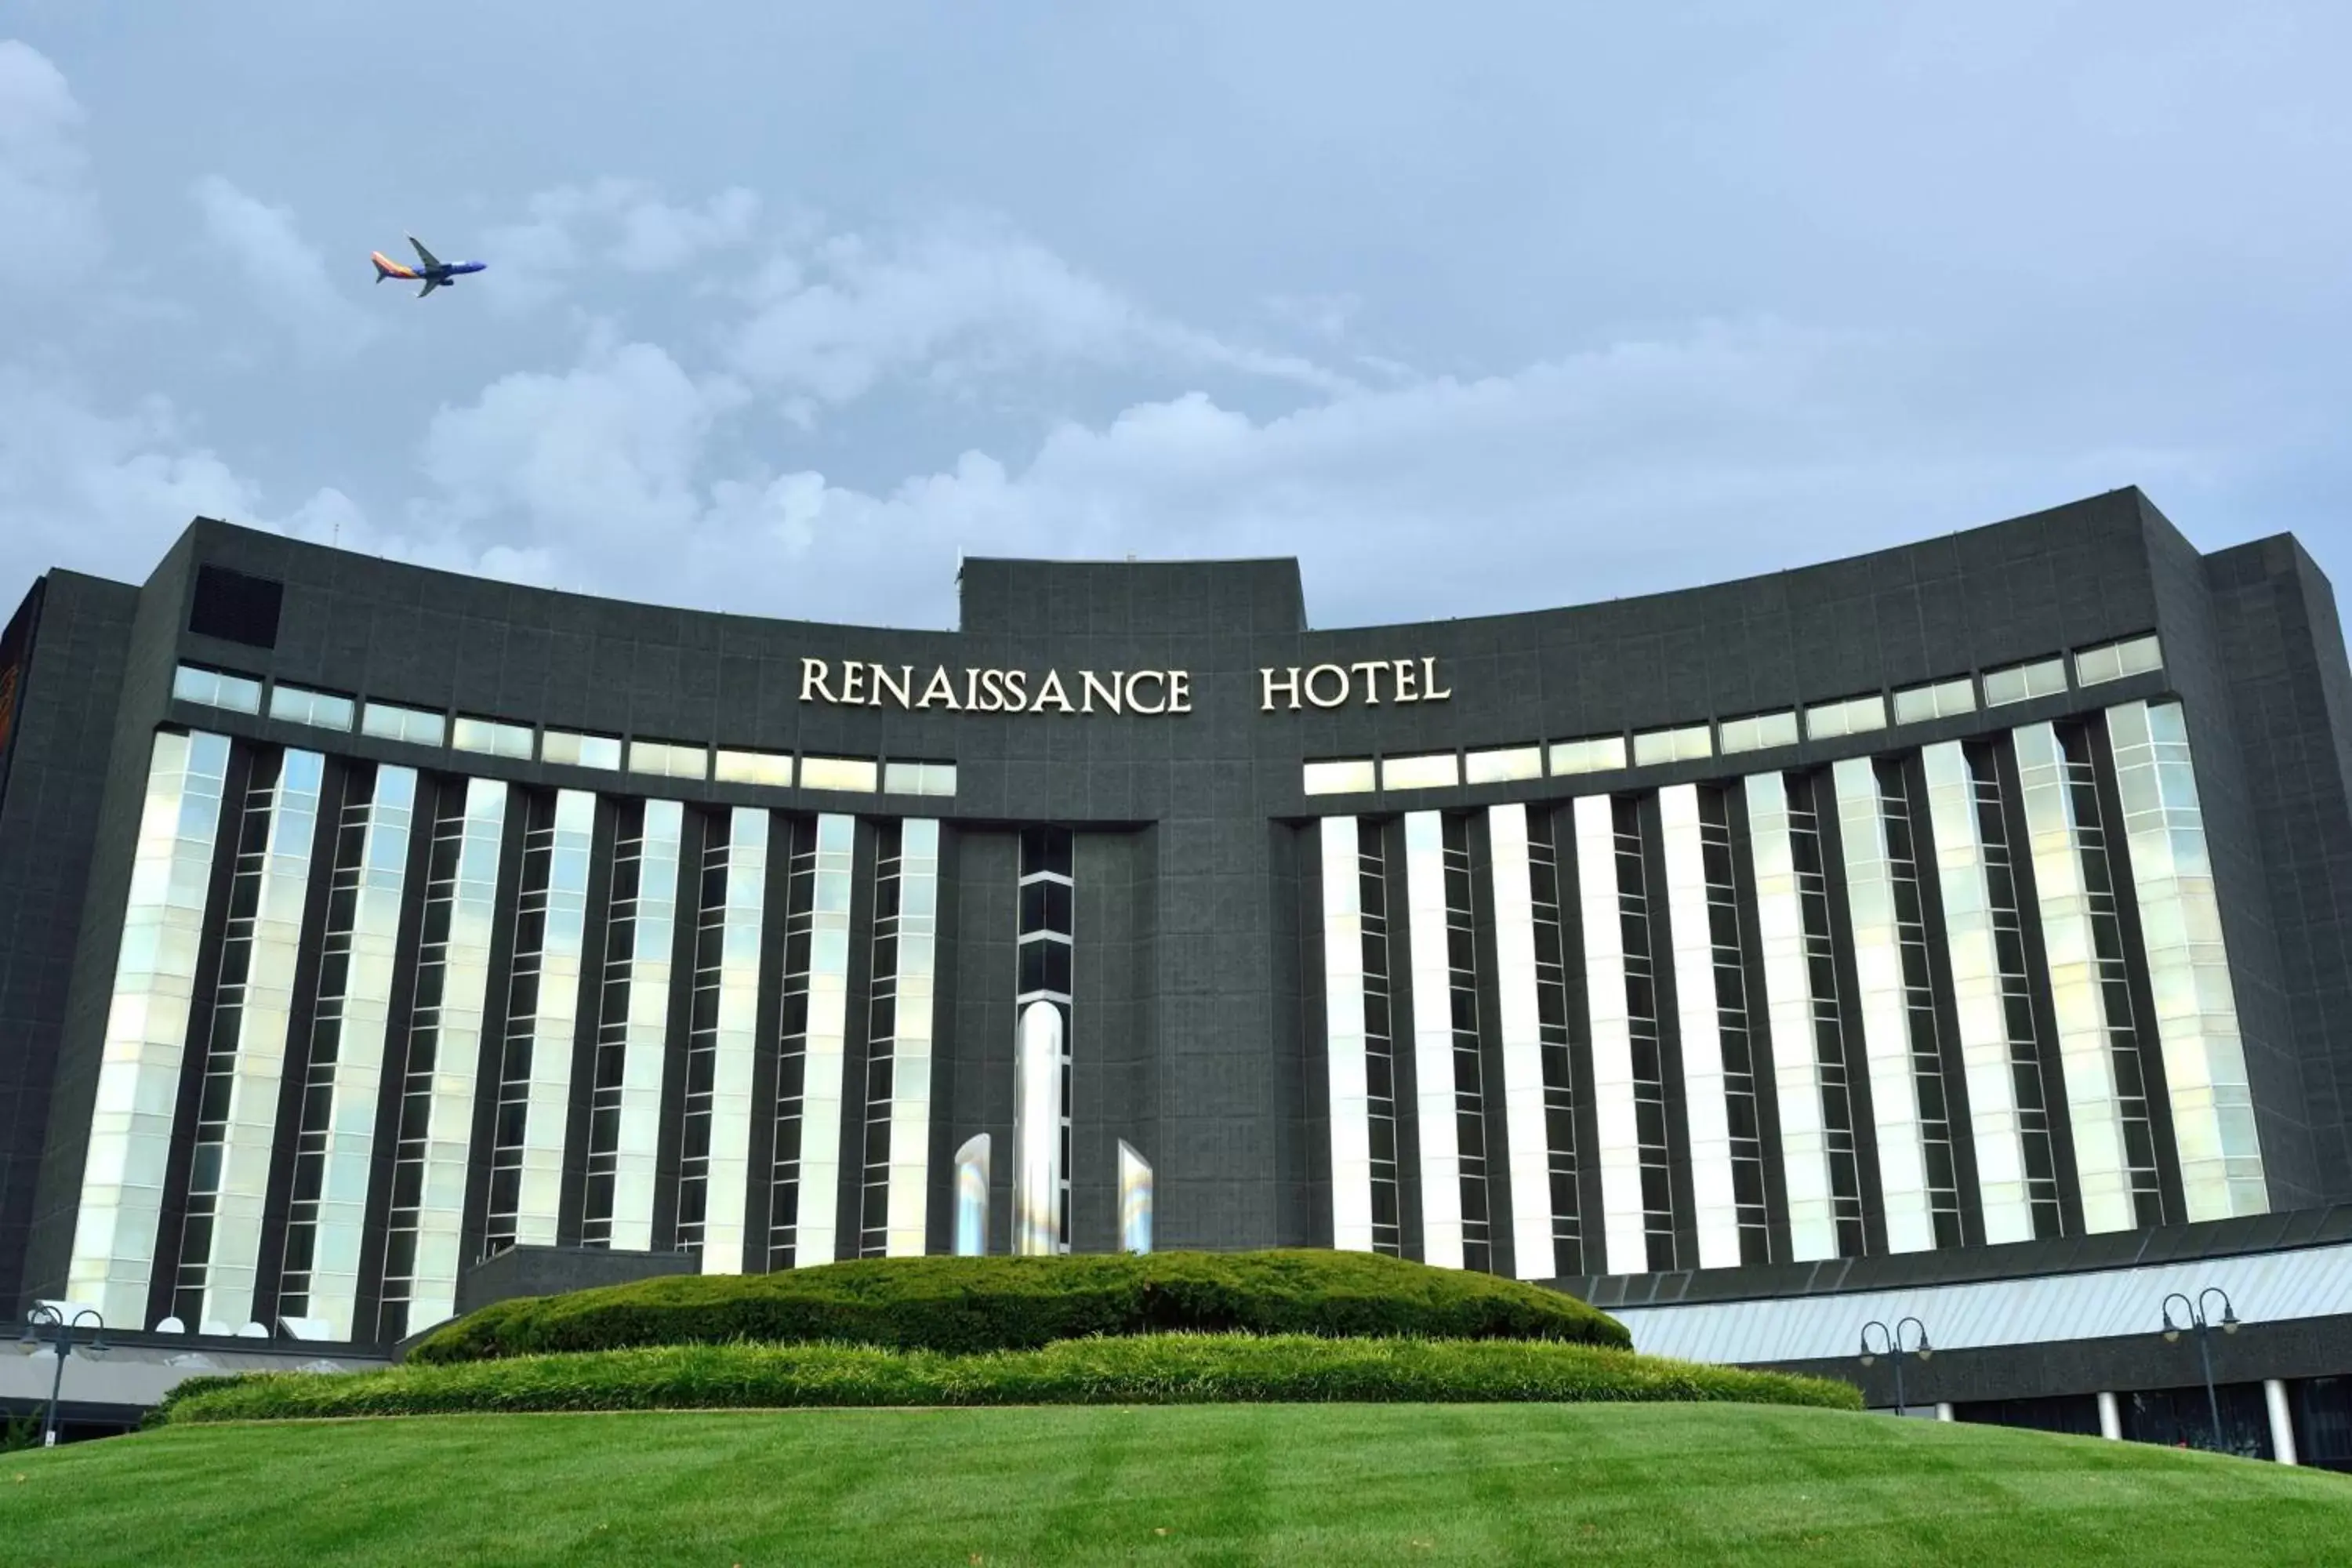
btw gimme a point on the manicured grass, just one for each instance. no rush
(1147, 1369)
(968, 1304)
(1223, 1484)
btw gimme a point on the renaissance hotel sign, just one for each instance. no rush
(850, 683)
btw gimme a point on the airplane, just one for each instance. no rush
(434, 272)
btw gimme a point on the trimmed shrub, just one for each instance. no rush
(1156, 1369)
(965, 1305)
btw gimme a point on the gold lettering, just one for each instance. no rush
(1179, 692)
(1017, 691)
(1090, 687)
(899, 688)
(1429, 681)
(1309, 684)
(1289, 685)
(1050, 692)
(812, 674)
(1371, 668)
(941, 687)
(1136, 680)
(853, 683)
(1405, 691)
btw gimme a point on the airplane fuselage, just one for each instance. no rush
(429, 269)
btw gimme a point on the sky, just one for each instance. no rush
(1474, 309)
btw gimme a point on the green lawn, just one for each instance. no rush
(1218, 1484)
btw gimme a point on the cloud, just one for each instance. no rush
(958, 299)
(261, 246)
(624, 225)
(50, 233)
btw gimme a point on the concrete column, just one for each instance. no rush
(1943, 1410)
(2281, 1420)
(2111, 1420)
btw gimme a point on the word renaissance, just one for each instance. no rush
(853, 683)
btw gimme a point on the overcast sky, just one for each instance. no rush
(1530, 305)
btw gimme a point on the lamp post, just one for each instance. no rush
(60, 1335)
(2199, 1322)
(1891, 1342)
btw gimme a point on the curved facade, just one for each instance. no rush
(378, 921)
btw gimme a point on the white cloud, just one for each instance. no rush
(625, 225)
(261, 246)
(959, 300)
(49, 229)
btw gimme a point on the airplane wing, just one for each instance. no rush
(430, 285)
(423, 255)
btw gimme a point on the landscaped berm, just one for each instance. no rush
(1282, 1407)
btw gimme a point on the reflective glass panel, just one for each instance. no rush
(1346, 776)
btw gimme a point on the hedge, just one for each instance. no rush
(1158, 1369)
(965, 1305)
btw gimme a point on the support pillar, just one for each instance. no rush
(2111, 1419)
(1943, 1410)
(2281, 1420)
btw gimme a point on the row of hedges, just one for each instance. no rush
(966, 1305)
(1168, 1369)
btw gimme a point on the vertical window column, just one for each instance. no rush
(714, 1146)
(804, 1184)
(2090, 990)
(2007, 1114)
(1799, 948)
(451, 987)
(1041, 1220)
(904, 1157)
(1379, 1040)
(542, 1013)
(2188, 962)
(236, 1115)
(1609, 999)
(1452, 1118)
(1531, 990)
(631, 1026)
(1897, 1014)
(1346, 1061)
(1718, 1074)
(334, 1148)
(147, 1022)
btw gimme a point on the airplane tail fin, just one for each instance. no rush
(383, 267)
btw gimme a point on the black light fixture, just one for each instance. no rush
(1893, 1345)
(2203, 1326)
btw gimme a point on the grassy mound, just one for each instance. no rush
(1154, 1369)
(965, 1305)
(1200, 1484)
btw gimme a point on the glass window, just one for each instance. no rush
(491, 738)
(1939, 699)
(918, 778)
(1504, 766)
(579, 751)
(2043, 678)
(216, 688)
(771, 768)
(1435, 771)
(1852, 716)
(300, 705)
(1682, 745)
(855, 773)
(669, 759)
(1760, 730)
(2113, 661)
(390, 721)
(1600, 755)
(1347, 776)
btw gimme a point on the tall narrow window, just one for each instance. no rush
(632, 1025)
(1919, 1003)
(1829, 1031)
(1641, 1027)
(1380, 1042)
(1469, 1097)
(219, 1070)
(1558, 1073)
(2028, 1082)
(881, 1031)
(1732, 1026)
(1045, 949)
(522, 1024)
(2111, 975)
(792, 1052)
(703, 1037)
